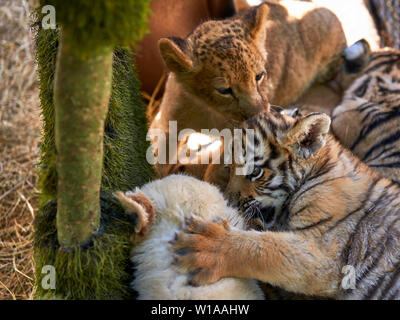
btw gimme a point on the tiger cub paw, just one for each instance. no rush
(200, 250)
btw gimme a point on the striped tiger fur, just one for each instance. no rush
(368, 119)
(323, 210)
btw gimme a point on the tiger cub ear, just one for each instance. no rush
(356, 56)
(139, 208)
(308, 134)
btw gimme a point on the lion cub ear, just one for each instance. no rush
(139, 207)
(174, 53)
(256, 19)
(308, 135)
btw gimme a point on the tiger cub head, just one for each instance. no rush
(369, 74)
(278, 153)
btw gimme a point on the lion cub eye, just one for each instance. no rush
(256, 174)
(260, 76)
(225, 91)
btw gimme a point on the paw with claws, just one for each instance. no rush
(203, 250)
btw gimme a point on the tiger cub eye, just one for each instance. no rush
(257, 173)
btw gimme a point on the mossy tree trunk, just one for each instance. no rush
(81, 94)
(99, 270)
(89, 32)
(84, 70)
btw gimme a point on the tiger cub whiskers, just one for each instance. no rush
(334, 212)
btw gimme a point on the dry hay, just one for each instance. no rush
(151, 101)
(19, 152)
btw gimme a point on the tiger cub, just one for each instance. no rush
(367, 121)
(332, 224)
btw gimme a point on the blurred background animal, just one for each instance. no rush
(367, 121)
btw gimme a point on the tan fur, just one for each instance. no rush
(322, 98)
(321, 209)
(172, 17)
(279, 40)
(325, 97)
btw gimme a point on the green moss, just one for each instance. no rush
(100, 271)
(102, 22)
(46, 52)
(125, 145)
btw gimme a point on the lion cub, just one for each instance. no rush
(162, 207)
(226, 71)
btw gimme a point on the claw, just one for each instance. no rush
(194, 272)
(192, 283)
(173, 241)
(191, 275)
(183, 251)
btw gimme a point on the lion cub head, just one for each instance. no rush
(223, 63)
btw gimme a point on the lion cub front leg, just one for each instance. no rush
(211, 251)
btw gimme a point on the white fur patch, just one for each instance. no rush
(254, 2)
(354, 51)
(176, 197)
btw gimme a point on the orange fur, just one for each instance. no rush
(227, 71)
(320, 209)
